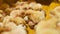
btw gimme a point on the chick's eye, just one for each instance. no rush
(25, 8)
(30, 8)
(23, 25)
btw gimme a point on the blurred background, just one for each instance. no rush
(44, 2)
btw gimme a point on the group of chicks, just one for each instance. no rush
(15, 20)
